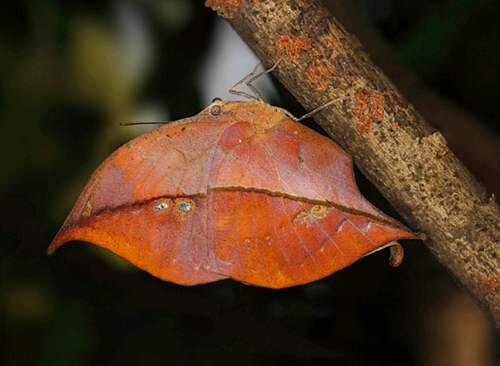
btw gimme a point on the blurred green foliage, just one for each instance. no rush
(69, 75)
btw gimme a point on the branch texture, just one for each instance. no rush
(461, 129)
(408, 161)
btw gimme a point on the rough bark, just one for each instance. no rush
(397, 150)
(461, 129)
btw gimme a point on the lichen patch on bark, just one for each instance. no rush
(290, 47)
(368, 107)
(319, 75)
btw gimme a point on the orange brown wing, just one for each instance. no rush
(277, 241)
(245, 193)
(283, 156)
(166, 237)
(116, 209)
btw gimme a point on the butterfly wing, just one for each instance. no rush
(276, 241)
(267, 150)
(245, 193)
(285, 205)
(147, 202)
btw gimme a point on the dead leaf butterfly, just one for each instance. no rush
(242, 190)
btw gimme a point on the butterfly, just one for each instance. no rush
(241, 190)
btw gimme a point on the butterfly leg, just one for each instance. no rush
(321, 107)
(233, 90)
(248, 79)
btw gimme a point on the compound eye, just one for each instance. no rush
(215, 110)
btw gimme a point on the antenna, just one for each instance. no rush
(141, 123)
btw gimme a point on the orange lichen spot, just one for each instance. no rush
(290, 47)
(319, 75)
(487, 286)
(311, 215)
(224, 8)
(368, 108)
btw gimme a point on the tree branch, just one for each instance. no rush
(408, 161)
(460, 128)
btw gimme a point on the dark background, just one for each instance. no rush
(70, 72)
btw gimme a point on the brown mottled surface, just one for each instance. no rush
(398, 151)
